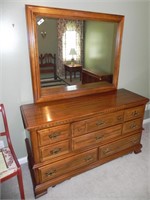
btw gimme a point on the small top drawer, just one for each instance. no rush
(97, 123)
(133, 113)
(51, 135)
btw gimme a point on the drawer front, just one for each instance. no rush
(96, 123)
(78, 128)
(134, 113)
(104, 121)
(120, 145)
(52, 135)
(132, 125)
(52, 151)
(96, 137)
(61, 167)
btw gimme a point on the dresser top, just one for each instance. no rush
(42, 115)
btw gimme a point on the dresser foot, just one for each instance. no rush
(138, 149)
(41, 193)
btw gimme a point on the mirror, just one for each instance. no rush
(73, 53)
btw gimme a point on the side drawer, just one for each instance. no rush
(132, 125)
(52, 135)
(61, 167)
(96, 137)
(120, 145)
(134, 113)
(52, 151)
(96, 123)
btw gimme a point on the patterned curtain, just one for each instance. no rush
(62, 26)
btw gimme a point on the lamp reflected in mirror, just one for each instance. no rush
(73, 53)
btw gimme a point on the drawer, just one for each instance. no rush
(52, 151)
(96, 123)
(61, 167)
(132, 125)
(120, 145)
(134, 113)
(96, 137)
(52, 135)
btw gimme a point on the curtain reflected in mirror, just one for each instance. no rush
(73, 52)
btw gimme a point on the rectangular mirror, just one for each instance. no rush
(73, 53)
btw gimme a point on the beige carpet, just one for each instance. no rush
(126, 178)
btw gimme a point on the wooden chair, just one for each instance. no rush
(48, 65)
(9, 165)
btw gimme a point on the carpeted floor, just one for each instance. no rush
(126, 178)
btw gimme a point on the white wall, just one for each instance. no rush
(15, 80)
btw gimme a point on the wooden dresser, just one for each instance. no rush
(68, 137)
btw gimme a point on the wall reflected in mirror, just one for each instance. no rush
(73, 52)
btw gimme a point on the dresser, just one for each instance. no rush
(70, 136)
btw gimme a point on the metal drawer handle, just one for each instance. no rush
(100, 123)
(133, 126)
(135, 113)
(99, 137)
(119, 118)
(105, 151)
(89, 158)
(54, 135)
(51, 173)
(55, 151)
(134, 141)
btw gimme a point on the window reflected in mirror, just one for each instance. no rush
(74, 52)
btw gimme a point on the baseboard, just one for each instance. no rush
(23, 160)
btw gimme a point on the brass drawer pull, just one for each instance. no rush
(54, 135)
(133, 126)
(135, 113)
(105, 151)
(99, 137)
(135, 141)
(88, 158)
(100, 123)
(119, 118)
(55, 151)
(51, 173)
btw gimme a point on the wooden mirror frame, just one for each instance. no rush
(48, 94)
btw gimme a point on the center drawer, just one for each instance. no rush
(96, 137)
(96, 123)
(61, 167)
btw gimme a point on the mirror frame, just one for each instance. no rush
(63, 92)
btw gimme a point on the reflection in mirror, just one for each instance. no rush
(82, 47)
(73, 52)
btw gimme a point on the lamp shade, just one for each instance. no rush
(72, 52)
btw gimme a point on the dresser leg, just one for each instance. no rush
(41, 193)
(138, 149)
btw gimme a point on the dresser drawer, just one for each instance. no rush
(120, 145)
(52, 135)
(61, 167)
(132, 125)
(52, 151)
(134, 113)
(96, 123)
(96, 137)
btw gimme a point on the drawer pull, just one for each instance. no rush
(134, 141)
(105, 151)
(88, 158)
(51, 173)
(55, 151)
(133, 126)
(100, 123)
(135, 113)
(119, 118)
(54, 135)
(99, 137)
